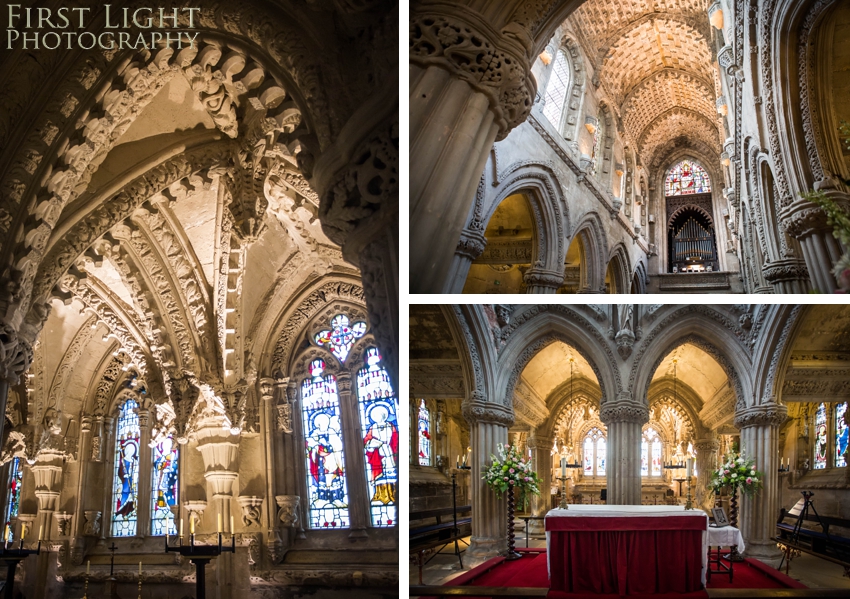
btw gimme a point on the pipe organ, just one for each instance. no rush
(693, 246)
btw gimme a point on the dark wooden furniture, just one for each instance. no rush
(526, 519)
(795, 536)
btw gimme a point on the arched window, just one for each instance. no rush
(556, 90)
(594, 453)
(650, 453)
(13, 493)
(841, 434)
(327, 491)
(687, 178)
(424, 426)
(341, 336)
(821, 437)
(164, 487)
(125, 484)
(379, 425)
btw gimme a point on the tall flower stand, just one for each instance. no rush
(733, 555)
(512, 553)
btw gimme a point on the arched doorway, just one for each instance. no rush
(691, 239)
(511, 236)
(615, 277)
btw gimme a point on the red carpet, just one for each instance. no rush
(530, 571)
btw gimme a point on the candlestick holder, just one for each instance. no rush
(13, 557)
(200, 555)
(689, 504)
(140, 585)
(563, 505)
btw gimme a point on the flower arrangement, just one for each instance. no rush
(739, 472)
(511, 470)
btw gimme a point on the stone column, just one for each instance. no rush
(540, 280)
(541, 458)
(355, 461)
(470, 84)
(489, 424)
(469, 248)
(143, 510)
(787, 276)
(269, 430)
(220, 450)
(806, 222)
(623, 419)
(706, 449)
(15, 359)
(48, 483)
(760, 440)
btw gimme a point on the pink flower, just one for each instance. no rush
(749, 481)
(511, 470)
(511, 482)
(506, 478)
(727, 472)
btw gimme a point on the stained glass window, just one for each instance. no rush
(327, 494)
(556, 90)
(687, 178)
(820, 437)
(380, 437)
(341, 336)
(600, 457)
(13, 495)
(650, 453)
(656, 457)
(424, 435)
(588, 456)
(644, 457)
(841, 432)
(164, 487)
(125, 484)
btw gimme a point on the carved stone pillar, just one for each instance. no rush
(470, 84)
(540, 280)
(706, 449)
(787, 276)
(469, 248)
(144, 484)
(15, 359)
(355, 461)
(48, 483)
(623, 419)
(268, 426)
(541, 459)
(806, 222)
(489, 424)
(760, 441)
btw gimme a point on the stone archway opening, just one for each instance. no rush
(511, 237)
(614, 282)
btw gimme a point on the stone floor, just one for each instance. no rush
(811, 571)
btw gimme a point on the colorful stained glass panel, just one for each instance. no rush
(125, 485)
(841, 433)
(164, 487)
(600, 456)
(656, 457)
(820, 437)
(13, 494)
(379, 423)
(424, 435)
(687, 178)
(644, 458)
(588, 456)
(327, 492)
(341, 336)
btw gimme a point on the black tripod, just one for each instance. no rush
(795, 534)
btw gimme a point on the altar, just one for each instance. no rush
(626, 549)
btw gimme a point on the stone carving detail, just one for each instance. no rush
(289, 509)
(284, 417)
(91, 528)
(471, 244)
(250, 509)
(478, 411)
(16, 355)
(63, 523)
(767, 414)
(623, 412)
(502, 74)
(195, 511)
(184, 397)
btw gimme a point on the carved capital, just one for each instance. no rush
(288, 512)
(786, 270)
(623, 411)
(15, 355)
(770, 414)
(250, 505)
(477, 411)
(491, 62)
(92, 525)
(543, 278)
(471, 244)
(803, 218)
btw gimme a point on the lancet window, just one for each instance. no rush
(687, 178)
(556, 90)
(164, 487)
(594, 462)
(424, 428)
(13, 493)
(379, 425)
(831, 436)
(821, 437)
(841, 434)
(650, 453)
(125, 485)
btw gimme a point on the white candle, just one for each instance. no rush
(191, 525)
(181, 528)
(219, 522)
(690, 469)
(563, 467)
(88, 566)
(232, 528)
(40, 530)
(140, 568)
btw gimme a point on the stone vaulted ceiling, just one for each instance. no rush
(653, 59)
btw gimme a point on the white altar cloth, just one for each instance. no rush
(726, 536)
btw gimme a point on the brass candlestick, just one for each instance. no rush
(689, 504)
(563, 504)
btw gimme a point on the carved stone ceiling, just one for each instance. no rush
(430, 337)
(825, 329)
(551, 367)
(695, 368)
(653, 58)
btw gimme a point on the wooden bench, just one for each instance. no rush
(822, 544)
(438, 530)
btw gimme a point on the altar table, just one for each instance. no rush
(626, 549)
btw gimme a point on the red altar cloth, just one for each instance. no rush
(636, 554)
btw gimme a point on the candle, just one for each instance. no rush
(232, 528)
(690, 467)
(40, 530)
(88, 566)
(219, 522)
(23, 531)
(181, 528)
(563, 467)
(140, 568)
(6, 537)
(458, 462)
(191, 525)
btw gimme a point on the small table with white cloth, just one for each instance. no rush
(718, 538)
(627, 549)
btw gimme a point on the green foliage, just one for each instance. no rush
(511, 470)
(738, 472)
